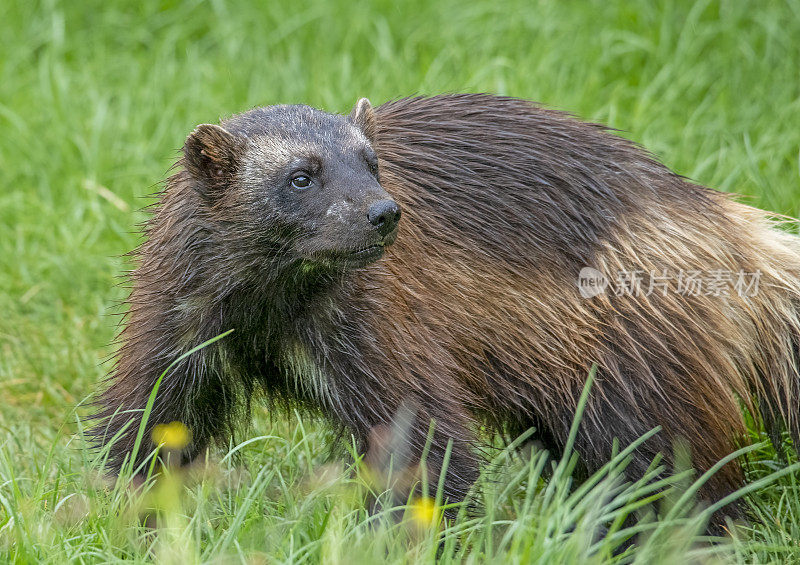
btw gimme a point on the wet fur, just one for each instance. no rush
(474, 316)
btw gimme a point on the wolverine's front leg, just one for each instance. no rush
(415, 446)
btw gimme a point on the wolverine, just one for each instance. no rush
(431, 252)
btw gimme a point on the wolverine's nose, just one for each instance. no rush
(384, 215)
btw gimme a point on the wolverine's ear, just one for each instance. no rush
(363, 116)
(211, 156)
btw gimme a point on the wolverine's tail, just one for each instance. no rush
(775, 313)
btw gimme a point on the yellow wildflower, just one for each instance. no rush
(174, 435)
(424, 511)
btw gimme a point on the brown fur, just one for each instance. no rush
(474, 315)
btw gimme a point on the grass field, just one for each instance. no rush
(96, 97)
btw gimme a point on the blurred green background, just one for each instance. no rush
(96, 98)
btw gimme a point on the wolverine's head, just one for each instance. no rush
(308, 181)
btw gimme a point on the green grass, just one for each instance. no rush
(96, 98)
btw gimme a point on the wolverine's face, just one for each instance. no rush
(311, 179)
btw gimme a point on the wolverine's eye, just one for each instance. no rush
(372, 163)
(300, 181)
